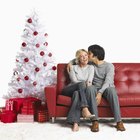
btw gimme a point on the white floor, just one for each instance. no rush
(62, 131)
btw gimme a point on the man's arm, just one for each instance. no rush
(109, 79)
(72, 62)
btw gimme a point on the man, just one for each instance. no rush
(103, 86)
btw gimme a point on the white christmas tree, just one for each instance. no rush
(35, 65)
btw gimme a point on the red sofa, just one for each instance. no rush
(127, 82)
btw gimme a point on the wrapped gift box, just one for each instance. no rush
(10, 105)
(15, 106)
(1, 110)
(30, 106)
(42, 113)
(42, 116)
(27, 111)
(8, 116)
(25, 118)
(18, 102)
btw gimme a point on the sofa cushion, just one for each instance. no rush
(129, 100)
(63, 100)
(124, 100)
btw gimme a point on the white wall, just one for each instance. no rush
(71, 25)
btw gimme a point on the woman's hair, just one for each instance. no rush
(77, 55)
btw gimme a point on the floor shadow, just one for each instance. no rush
(87, 123)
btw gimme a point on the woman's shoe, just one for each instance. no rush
(87, 115)
(90, 117)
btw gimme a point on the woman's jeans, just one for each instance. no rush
(80, 87)
(77, 92)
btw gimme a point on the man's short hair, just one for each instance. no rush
(97, 51)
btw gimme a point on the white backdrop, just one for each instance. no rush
(71, 25)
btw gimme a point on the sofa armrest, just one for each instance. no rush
(50, 94)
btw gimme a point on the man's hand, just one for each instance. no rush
(69, 66)
(98, 98)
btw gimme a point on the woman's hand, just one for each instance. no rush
(88, 83)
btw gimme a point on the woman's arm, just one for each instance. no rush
(72, 74)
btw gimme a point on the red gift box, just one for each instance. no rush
(1, 110)
(8, 116)
(30, 106)
(18, 102)
(10, 105)
(27, 111)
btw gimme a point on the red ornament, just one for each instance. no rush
(24, 44)
(46, 43)
(26, 60)
(42, 53)
(46, 34)
(37, 45)
(44, 64)
(29, 20)
(20, 90)
(35, 33)
(54, 68)
(37, 69)
(34, 83)
(26, 78)
(17, 60)
(50, 54)
(18, 79)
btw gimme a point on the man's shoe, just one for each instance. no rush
(95, 126)
(120, 126)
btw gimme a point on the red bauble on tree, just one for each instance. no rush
(50, 54)
(24, 44)
(18, 79)
(29, 20)
(44, 64)
(26, 60)
(20, 90)
(37, 69)
(54, 68)
(46, 34)
(42, 53)
(46, 43)
(35, 33)
(34, 83)
(26, 78)
(37, 45)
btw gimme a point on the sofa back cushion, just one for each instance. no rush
(127, 77)
(62, 77)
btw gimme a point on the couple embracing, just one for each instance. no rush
(91, 79)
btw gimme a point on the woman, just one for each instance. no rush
(81, 76)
